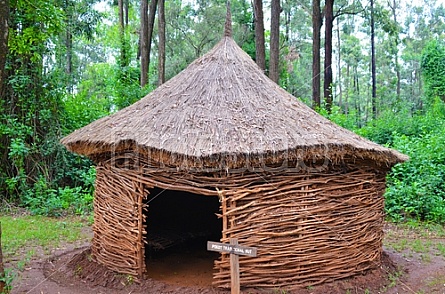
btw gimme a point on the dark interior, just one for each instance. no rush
(178, 226)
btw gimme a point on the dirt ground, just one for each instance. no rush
(70, 269)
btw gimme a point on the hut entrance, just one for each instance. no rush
(178, 226)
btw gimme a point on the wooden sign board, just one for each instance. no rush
(232, 249)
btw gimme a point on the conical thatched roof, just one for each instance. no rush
(218, 112)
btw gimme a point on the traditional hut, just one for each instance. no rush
(302, 190)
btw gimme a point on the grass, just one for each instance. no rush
(421, 246)
(437, 281)
(415, 237)
(23, 236)
(400, 245)
(441, 248)
(31, 232)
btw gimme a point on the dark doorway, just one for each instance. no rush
(178, 226)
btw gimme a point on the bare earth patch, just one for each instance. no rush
(413, 262)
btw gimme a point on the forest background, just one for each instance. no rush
(376, 67)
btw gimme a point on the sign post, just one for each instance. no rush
(234, 269)
(235, 251)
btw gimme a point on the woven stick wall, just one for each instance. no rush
(309, 228)
(118, 223)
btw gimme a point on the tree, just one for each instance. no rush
(143, 42)
(260, 53)
(373, 69)
(330, 16)
(147, 24)
(433, 69)
(4, 16)
(124, 59)
(274, 41)
(393, 7)
(161, 33)
(29, 129)
(316, 41)
(80, 22)
(329, 20)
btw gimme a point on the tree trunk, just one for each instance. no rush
(260, 50)
(161, 32)
(340, 89)
(329, 19)
(396, 56)
(146, 34)
(287, 17)
(69, 58)
(274, 73)
(143, 42)
(373, 71)
(126, 7)
(316, 26)
(4, 16)
(123, 52)
(151, 22)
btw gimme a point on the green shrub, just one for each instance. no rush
(42, 199)
(416, 189)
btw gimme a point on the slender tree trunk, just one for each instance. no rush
(329, 19)
(340, 88)
(123, 52)
(69, 58)
(126, 8)
(373, 70)
(260, 50)
(146, 34)
(347, 88)
(4, 16)
(396, 57)
(274, 73)
(316, 26)
(161, 32)
(151, 23)
(287, 17)
(143, 42)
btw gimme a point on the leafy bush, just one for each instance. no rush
(416, 188)
(391, 124)
(345, 120)
(42, 199)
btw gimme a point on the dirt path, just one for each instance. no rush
(413, 263)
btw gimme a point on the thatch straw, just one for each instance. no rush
(223, 111)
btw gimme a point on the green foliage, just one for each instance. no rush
(7, 279)
(415, 189)
(24, 231)
(23, 234)
(433, 69)
(391, 124)
(344, 120)
(42, 199)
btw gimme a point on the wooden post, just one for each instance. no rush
(234, 249)
(2, 270)
(140, 245)
(234, 270)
